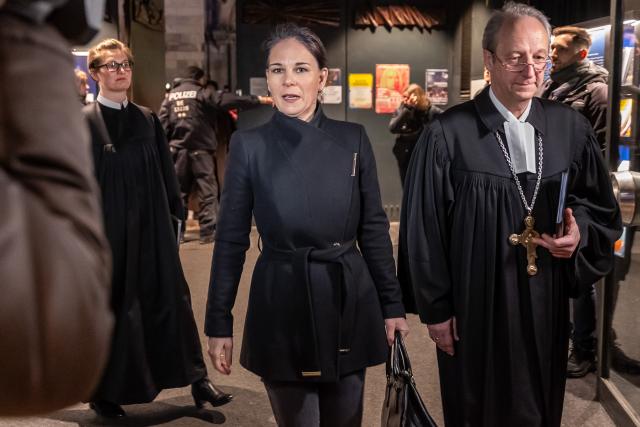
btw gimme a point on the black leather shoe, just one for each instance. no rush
(580, 365)
(107, 409)
(204, 391)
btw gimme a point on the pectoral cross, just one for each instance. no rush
(525, 239)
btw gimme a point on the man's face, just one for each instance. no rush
(563, 52)
(523, 40)
(113, 81)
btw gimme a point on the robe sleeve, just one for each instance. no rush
(423, 258)
(591, 198)
(232, 241)
(373, 235)
(168, 172)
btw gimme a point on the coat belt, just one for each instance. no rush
(300, 258)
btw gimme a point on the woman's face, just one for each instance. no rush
(294, 79)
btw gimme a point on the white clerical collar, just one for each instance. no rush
(520, 136)
(508, 115)
(112, 104)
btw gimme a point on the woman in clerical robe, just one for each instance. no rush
(324, 287)
(155, 344)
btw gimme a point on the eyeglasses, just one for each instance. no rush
(113, 66)
(514, 65)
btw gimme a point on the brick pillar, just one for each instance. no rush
(184, 35)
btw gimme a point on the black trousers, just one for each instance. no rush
(196, 169)
(303, 404)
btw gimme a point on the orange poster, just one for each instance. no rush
(391, 82)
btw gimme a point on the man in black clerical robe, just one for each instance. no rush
(501, 328)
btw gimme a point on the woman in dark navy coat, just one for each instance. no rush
(324, 288)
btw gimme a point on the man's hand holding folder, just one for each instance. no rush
(567, 236)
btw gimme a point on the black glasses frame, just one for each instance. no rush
(114, 66)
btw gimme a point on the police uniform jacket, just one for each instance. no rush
(325, 278)
(187, 116)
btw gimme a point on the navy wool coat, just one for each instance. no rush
(325, 279)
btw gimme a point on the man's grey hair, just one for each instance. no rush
(509, 12)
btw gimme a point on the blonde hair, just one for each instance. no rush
(423, 102)
(96, 53)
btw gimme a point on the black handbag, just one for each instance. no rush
(403, 406)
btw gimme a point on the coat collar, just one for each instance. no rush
(316, 121)
(493, 120)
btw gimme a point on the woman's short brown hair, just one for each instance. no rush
(423, 102)
(96, 53)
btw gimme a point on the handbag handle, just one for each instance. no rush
(398, 363)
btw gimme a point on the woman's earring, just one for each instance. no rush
(321, 96)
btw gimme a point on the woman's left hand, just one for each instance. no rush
(395, 324)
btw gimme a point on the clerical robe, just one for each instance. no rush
(155, 343)
(460, 206)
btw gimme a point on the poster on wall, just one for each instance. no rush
(332, 92)
(361, 91)
(258, 86)
(437, 84)
(391, 82)
(626, 108)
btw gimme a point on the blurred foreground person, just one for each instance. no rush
(55, 322)
(156, 344)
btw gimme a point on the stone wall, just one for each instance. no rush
(184, 35)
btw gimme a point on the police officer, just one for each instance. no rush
(186, 117)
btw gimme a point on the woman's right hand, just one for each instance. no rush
(221, 353)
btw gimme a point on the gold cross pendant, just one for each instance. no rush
(525, 239)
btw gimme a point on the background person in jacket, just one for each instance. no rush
(581, 84)
(55, 319)
(319, 305)
(155, 343)
(189, 115)
(408, 121)
(577, 81)
(187, 118)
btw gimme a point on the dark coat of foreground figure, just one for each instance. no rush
(55, 321)
(155, 344)
(317, 300)
(460, 206)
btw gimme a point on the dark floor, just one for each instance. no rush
(251, 406)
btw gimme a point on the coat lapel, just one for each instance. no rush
(95, 115)
(322, 170)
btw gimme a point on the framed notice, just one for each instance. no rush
(258, 86)
(332, 92)
(391, 82)
(437, 84)
(361, 91)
